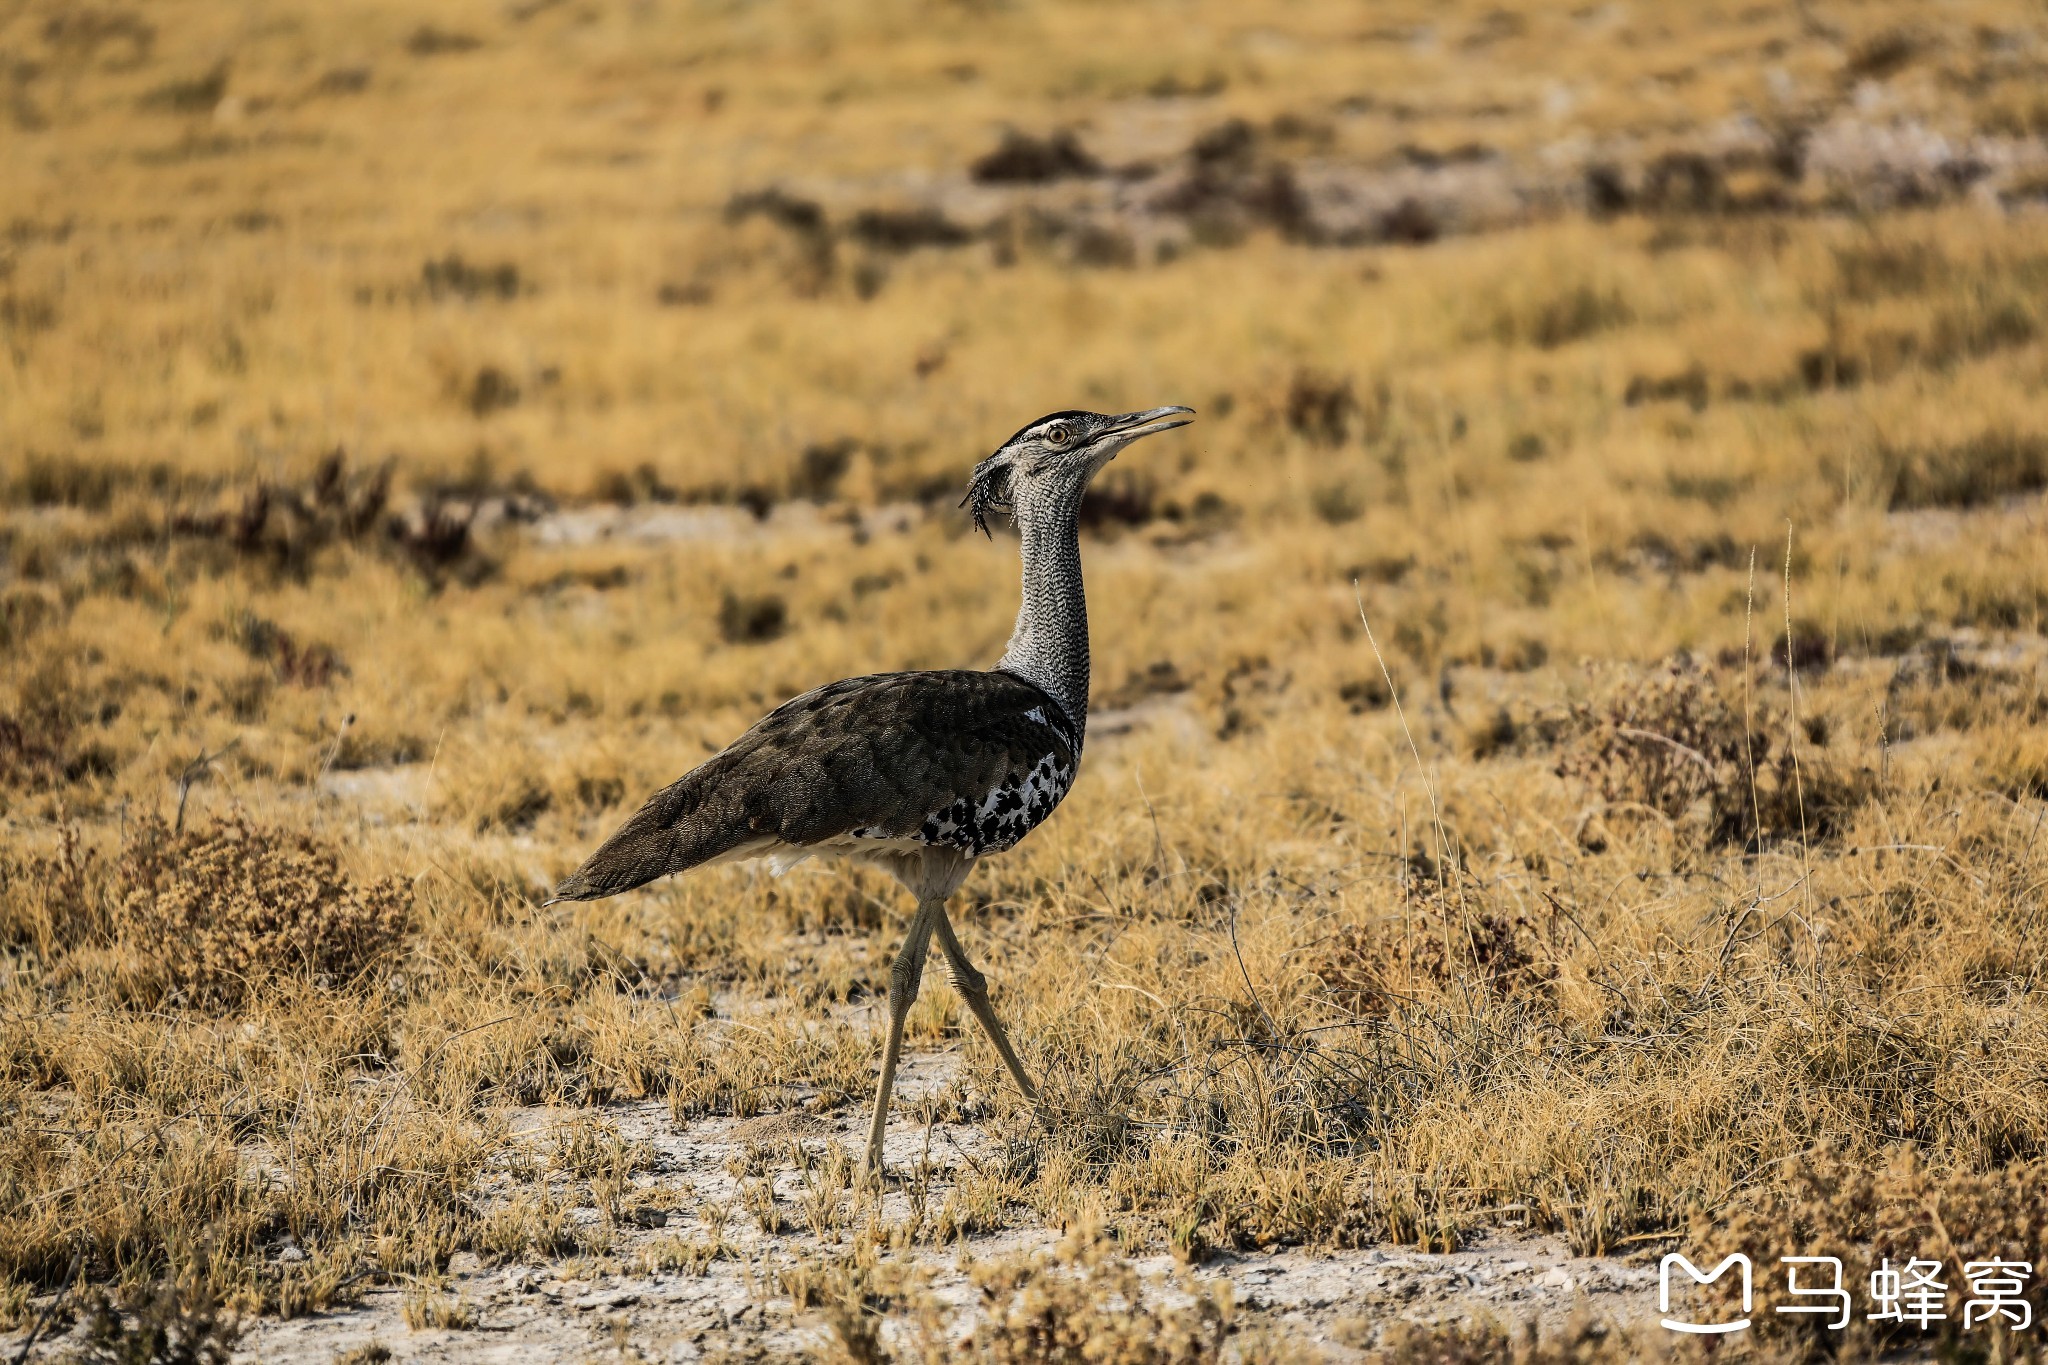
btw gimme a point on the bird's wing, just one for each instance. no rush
(961, 758)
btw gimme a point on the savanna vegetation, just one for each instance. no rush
(1571, 748)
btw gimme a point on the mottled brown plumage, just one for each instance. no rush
(870, 758)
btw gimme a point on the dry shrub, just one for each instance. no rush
(428, 1309)
(1673, 743)
(1021, 159)
(1123, 499)
(43, 743)
(1583, 1340)
(1969, 473)
(1825, 1203)
(1368, 970)
(1935, 688)
(299, 664)
(750, 619)
(906, 229)
(1320, 407)
(1267, 1196)
(156, 1325)
(453, 276)
(1664, 742)
(437, 540)
(857, 1291)
(246, 904)
(287, 526)
(1094, 1105)
(51, 902)
(1550, 318)
(1087, 1302)
(58, 1197)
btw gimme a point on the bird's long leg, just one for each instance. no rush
(904, 975)
(973, 988)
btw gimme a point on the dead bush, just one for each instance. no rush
(906, 229)
(452, 276)
(1936, 688)
(1672, 743)
(752, 620)
(245, 904)
(429, 41)
(156, 1325)
(438, 540)
(1970, 473)
(1368, 969)
(1558, 317)
(302, 665)
(47, 740)
(54, 901)
(1161, 677)
(1021, 159)
(490, 390)
(820, 468)
(1828, 1204)
(1583, 1340)
(1320, 407)
(1227, 184)
(1365, 694)
(289, 525)
(1086, 1301)
(1124, 499)
(1664, 741)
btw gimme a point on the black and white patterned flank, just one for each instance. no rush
(1018, 804)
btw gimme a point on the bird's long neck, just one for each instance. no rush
(1049, 647)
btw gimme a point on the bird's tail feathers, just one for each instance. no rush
(666, 835)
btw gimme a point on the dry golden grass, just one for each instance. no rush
(1704, 554)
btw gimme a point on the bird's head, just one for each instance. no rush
(1056, 455)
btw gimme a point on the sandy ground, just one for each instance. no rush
(1339, 1302)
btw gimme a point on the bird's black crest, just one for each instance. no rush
(989, 489)
(1070, 414)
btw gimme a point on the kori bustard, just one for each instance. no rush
(920, 773)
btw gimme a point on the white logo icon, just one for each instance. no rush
(1699, 1277)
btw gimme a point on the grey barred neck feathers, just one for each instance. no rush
(1040, 474)
(1049, 646)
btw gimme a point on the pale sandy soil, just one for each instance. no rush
(1339, 1302)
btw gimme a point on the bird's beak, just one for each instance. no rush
(1131, 425)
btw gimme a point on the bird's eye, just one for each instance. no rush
(1057, 434)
